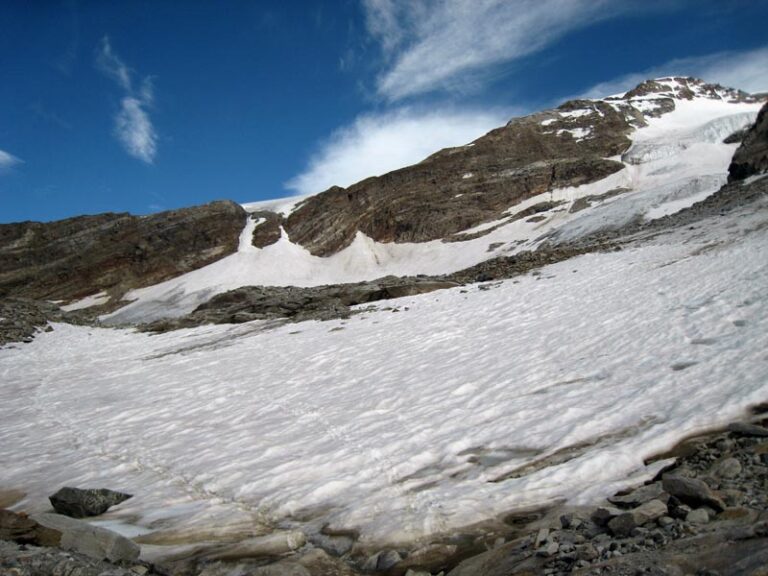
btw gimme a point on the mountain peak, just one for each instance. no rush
(684, 88)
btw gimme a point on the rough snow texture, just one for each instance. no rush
(399, 424)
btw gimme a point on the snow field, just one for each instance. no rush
(405, 424)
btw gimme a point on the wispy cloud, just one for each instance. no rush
(378, 143)
(133, 125)
(449, 44)
(744, 70)
(8, 160)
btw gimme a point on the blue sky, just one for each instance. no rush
(145, 106)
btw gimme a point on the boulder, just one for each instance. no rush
(745, 429)
(82, 503)
(604, 514)
(692, 491)
(639, 496)
(93, 541)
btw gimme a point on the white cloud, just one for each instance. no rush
(747, 71)
(448, 44)
(375, 144)
(133, 125)
(112, 66)
(8, 160)
(135, 131)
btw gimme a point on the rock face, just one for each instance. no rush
(752, 156)
(459, 188)
(73, 258)
(79, 503)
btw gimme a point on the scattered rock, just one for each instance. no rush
(82, 503)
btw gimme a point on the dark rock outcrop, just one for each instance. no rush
(298, 304)
(73, 258)
(81, 503)
(752, 156)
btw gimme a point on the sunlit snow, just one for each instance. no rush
(398, 424)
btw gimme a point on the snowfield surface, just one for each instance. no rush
(677, 160)
(465, 404)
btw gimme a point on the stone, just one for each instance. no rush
(24, 530)
(387, 559)
(639, 496)
(622, 525)
(649, 512)
(548, 550)
(727, 468)
(93, 541)
(603, 514)
(337, 545)
(698, 516)
(692, 491)
(541, 537)
(82, 503)
(744, 429)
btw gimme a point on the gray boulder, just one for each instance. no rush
(693, 492)
(81, 503)
(93, 541)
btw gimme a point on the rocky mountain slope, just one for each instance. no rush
(70, 259)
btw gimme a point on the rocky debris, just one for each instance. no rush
(693, 520)
(81, 503)
(77, 257)
(298, 304)
(93, 541)
(503, 267)
(20, 319)
(751, 158)
(27, 560)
